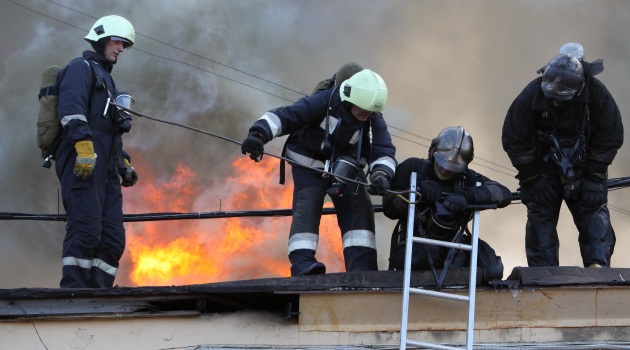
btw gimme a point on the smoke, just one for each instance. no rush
(214, 65)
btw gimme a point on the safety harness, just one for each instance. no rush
(568, 153)
(326, 145)
(427, 226)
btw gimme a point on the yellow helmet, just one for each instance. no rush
(112, 26)
(366, 90)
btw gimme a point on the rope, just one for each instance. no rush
(292, 162)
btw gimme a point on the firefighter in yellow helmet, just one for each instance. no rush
(447, 186)
(90, 162)
(330, 130)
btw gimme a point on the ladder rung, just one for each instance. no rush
(443, 243)
(436, 294)
(429, 345)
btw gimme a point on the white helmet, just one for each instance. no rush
(116, 27)
(366, 90)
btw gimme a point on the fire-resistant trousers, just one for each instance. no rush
(355, 217)
(95, 235)
(596, 235)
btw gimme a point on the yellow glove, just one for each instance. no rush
(86, 159)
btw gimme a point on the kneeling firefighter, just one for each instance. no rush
(339, 129)
(446, 186)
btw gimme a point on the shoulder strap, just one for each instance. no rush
(326, 137)
(99, 82)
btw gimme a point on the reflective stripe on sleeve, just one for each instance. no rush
(273, 122)
(386, 161)
(66, 119)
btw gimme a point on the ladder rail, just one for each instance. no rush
(407, 289)
(407, 268)
(470, 327)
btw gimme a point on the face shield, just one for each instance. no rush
(563, 78)
(123, 118)
(557, 90)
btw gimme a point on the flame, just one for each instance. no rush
(179, 252)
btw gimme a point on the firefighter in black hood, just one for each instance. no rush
(90, 161)
(561, 134)
(336, 129)
(446, 186)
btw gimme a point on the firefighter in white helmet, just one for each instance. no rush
(340, 130)
(90, 162)
(446, 186)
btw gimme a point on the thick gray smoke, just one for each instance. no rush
(197, 62)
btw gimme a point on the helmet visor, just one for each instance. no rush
(447, 162)
(557, 91)
(126, 43)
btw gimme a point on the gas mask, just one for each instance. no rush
(342, 169)
(123, 118)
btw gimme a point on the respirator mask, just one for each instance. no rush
(123, 118)
(342, 169)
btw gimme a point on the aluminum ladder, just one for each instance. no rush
(407, 290)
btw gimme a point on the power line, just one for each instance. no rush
(239, 71)
(508, 171)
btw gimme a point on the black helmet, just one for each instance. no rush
(563, 78)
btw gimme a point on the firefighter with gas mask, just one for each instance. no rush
(446, 188)
(561, 133)
(339, 130)
(90, 161)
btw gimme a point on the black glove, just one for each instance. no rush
(538, 190)
(430, 191)
(592, 193)
(253, 145)
(455, 203)
(378, 183)
(128, 174)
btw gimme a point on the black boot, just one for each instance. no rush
(303, 263)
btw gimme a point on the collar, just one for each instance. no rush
(100, 59)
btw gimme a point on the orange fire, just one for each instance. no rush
(179, 252)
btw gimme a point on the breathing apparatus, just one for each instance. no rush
(343, 168)
(123, 118)
(569, 153)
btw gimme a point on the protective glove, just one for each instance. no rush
(592, 193)
(455, 202)
(379, 183)
(430, 191)
(253, 145)
(86, 159)
(128, 174)
(538, 190)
